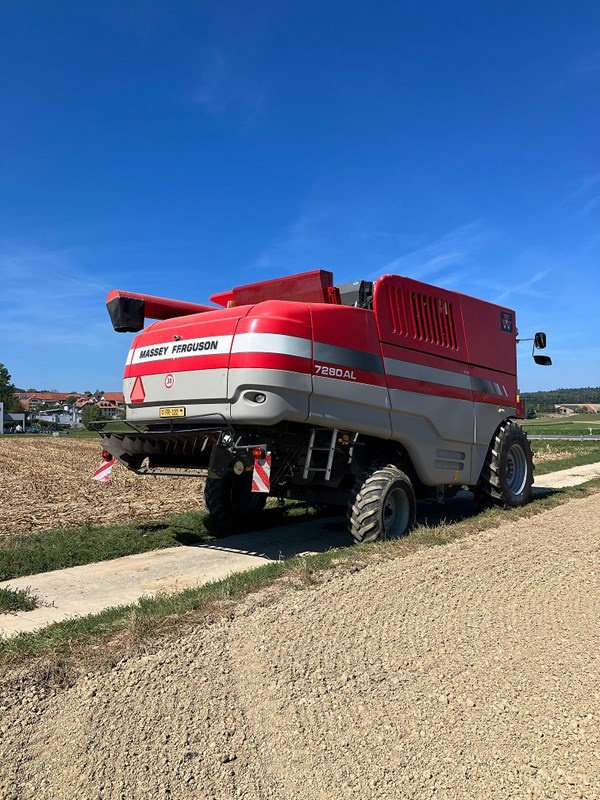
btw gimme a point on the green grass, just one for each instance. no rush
(116, 631)
(16, 600)
(31, 553)
(571, 454)
(74, 433)
(558, 424)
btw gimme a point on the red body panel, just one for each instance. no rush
(418, 338)
(454, 326)
(344, 326)
(308, 287)
(219, 322)
(419, 316)
(491, 335)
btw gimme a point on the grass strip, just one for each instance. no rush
(16, 600)
(45, 551)
(573, 454)
(118, 629)
(576, 425)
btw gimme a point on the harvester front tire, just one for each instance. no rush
(230, 501)
(382, 505)
(507, 475)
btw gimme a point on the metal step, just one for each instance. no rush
(312, 449)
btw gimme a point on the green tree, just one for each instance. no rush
(71, 399)
(91, 413)
(7, 392)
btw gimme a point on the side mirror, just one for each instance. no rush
(539, 340)
(543, 361)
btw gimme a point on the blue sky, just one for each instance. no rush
(182, 148)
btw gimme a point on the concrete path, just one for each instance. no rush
(567, 477)
(88, 589)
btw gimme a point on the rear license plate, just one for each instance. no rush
(178, 411)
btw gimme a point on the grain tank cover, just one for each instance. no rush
(305, 287)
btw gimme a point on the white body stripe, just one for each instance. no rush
(272, 343)
(186, 348)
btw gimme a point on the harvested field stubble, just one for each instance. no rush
(46, 483)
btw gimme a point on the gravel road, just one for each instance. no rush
(464, 671)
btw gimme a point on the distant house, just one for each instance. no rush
(82, 402)
(108, 409)
(31, 401)
(578, 408)
(116, 398)
(56, 417)
(109, 403)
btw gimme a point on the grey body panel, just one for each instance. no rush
(188, 386)
(287, 393)
(351, 406)
(420, 372)
(229, 396)
(487, 419)
(438, 434)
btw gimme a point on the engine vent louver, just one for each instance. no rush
(433, 320)
(396, 309)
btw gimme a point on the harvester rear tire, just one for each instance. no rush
(382, 505)
(507, 475)
(231, 502)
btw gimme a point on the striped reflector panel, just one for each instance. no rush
(102, 474)
(261, 474)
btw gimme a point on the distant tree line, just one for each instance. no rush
(545, 401)
(7, 392)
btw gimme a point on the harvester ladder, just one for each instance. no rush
(312, 448)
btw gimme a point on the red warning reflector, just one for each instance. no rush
(138, 395)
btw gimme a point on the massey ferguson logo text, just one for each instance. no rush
(195, 347)
(164, 351)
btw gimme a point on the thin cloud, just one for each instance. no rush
(522, 288)
(301, 242)
(454, 248)
(223, 85)
(585, 65)
(585, 196)
(47, 299)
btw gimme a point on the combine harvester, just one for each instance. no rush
(364, 396)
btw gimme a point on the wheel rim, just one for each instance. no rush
(396, 513)
(516, 469)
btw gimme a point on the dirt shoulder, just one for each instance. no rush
(469, 670)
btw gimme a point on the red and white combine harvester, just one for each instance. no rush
(364, 396)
